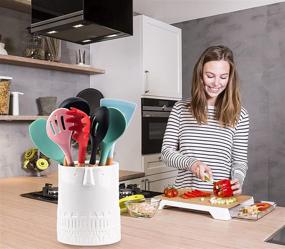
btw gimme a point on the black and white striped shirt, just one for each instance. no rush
(223, 149)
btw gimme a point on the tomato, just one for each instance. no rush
(175, 192)
(262, 206)
(170, 192)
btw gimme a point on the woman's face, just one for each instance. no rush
(215, 79)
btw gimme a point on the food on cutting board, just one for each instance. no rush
(222, 201)
(195, 193)
(170, 192)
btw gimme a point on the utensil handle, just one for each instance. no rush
(68, 158)
(92, 160)
(104, 154)
(81, 155)
(110, 155)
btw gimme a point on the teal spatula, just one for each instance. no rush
(126, 107)
(117, 126)
(40, 139)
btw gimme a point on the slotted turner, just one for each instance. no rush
(58, 131)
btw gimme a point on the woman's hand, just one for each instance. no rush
(200, 169)
(236, 187)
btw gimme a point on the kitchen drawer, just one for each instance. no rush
(154, 165)
(158, 182)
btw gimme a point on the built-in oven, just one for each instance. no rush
(155, 113)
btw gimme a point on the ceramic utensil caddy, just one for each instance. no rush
(88, 212)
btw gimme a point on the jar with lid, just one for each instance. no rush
(4, 94)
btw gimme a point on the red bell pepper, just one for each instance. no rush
(195, 193)
(223, 188)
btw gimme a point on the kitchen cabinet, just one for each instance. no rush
(158, 175)
(155, 47)
(161, 54)
(156, 182)
(149, 60)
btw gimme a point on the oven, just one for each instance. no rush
(155, 113)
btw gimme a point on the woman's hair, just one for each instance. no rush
(228, 104)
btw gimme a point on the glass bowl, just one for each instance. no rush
(143, 208)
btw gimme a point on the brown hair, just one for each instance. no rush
(228, 104)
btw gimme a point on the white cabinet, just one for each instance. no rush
(158, 175)
(155, 47)
(156, 182)
(161, 58)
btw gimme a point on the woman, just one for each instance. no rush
(208, 136)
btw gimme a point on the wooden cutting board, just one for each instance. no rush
(206, 200)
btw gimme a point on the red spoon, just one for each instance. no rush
(81, 130)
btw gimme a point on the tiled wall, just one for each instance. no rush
(14, 136)
(257, 37)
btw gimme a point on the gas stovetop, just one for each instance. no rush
(49, 193)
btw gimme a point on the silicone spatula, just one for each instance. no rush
(117, 126)
(58, 131)
(81, 129)
(126, 107)
(40, 139)
(99, 128)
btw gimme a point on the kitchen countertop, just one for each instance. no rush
(31, 224)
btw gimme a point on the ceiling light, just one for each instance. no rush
(109, 36)
(78, 25)
(52, 32)
(86, 41)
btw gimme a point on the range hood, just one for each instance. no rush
(82, 21)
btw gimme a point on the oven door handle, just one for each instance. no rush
(149, 114)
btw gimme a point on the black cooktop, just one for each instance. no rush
(49, 193)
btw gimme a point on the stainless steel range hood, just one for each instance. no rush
(82, 21)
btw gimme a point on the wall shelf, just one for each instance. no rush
(35, 63)
(20, 117)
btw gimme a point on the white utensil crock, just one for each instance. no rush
(88, 210)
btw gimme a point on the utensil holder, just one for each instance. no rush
(46, 105)
(88, 212)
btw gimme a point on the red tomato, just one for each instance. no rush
(262, 206)
(170, 192)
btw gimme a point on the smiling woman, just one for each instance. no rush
(208, 136)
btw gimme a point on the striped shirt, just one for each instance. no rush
(223, 149)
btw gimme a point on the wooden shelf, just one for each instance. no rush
(29, 62)
(20, 117)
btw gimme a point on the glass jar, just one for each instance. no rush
(4, 94)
